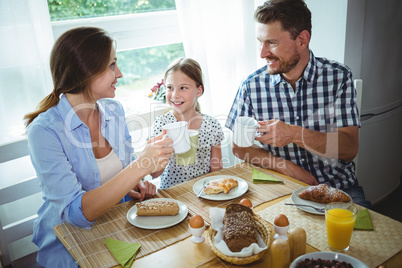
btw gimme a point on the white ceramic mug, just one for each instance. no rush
(245, 131)
(178, 132)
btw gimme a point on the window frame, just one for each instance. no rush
(131, 31)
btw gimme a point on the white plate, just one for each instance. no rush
(157, 222)
(297, 200)
(327, 255)
(239, 190)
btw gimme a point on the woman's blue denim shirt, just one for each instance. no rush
(61, 152)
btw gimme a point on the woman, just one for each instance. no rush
(80, 145)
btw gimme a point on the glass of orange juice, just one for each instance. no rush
(340, 219)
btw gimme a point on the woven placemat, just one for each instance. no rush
(371, 247)
(257, 193)
(88, 246)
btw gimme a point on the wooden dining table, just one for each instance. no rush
(172, 247)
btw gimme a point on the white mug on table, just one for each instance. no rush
(178, 132)
(245, 131)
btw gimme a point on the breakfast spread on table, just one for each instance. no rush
(323, 193)
(220, 185)
(157, 208)
(239, 231)
(277, 213)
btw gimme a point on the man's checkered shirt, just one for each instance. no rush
(324, 100)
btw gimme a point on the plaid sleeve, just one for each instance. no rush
(241, 105)
(347, 113)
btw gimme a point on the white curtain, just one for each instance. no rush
(26, 42)
(220, 35)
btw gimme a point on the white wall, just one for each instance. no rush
(329, 28)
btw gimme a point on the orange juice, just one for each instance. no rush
(340, 224)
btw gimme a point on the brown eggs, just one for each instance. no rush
(196, 221)
(281, 220)
(246, 202)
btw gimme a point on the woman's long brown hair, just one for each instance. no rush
(77, 57)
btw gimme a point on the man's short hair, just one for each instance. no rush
(293, 15)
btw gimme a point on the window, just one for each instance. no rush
(148, 39)
(147, 34)
(144, 67)
(61, 10)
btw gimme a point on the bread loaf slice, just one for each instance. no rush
(239, 229)
(157, 208)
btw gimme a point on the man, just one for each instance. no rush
(306, 105)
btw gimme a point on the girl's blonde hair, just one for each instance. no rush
(192, 69)
(77, 58)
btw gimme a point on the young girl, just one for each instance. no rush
(184, 85)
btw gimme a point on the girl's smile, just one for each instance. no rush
(182, 93)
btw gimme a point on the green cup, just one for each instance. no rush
(188, 158)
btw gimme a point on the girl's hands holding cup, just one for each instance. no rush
(156, 153)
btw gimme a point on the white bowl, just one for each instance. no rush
(327, 255)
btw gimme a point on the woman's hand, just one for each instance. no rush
(143, 190)
(156, 154)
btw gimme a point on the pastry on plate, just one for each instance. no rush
(220, 185)
(323, 193)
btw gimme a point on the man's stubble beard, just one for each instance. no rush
(286, 66)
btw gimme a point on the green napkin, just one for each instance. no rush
(123, 252)
(363, 221)
(260, 177)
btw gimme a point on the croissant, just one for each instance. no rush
(220, 185)
(324, 194)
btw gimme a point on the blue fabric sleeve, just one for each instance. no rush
(55, 173)
(76, 216)
(126, 198)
